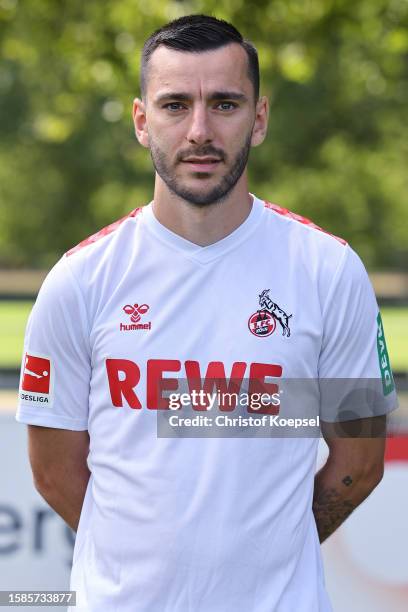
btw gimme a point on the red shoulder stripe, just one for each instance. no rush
(103, 232)
(287, 213)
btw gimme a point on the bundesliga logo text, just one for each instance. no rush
(36, 379)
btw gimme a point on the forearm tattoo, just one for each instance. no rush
(331, 509)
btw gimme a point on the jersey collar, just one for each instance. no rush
(210, 252)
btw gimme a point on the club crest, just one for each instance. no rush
(263, 322)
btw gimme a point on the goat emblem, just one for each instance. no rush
(280, 315)
(263, 321)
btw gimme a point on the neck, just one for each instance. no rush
(202, 225)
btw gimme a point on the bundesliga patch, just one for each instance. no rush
(36, 380)
(384, 360)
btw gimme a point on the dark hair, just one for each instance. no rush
(197, 33)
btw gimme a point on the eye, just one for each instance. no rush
(226, 106)
(173, 106)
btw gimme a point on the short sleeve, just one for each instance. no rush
(355, 374)
(56, 366)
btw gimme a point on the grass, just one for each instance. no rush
(395, 321)
(13, 318)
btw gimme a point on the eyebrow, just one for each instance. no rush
(215, 95)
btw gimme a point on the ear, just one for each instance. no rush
(140, 122)
(261, 121)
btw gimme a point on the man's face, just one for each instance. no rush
(198, 120)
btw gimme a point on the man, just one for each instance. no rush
(211, 285)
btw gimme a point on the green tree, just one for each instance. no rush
(336, 73)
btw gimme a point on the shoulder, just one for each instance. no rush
(300, 223)
(317, 260)
(106, 252)
(308, 246)
(109, 230)
(83, 269)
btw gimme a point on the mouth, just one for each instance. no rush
(201, 164)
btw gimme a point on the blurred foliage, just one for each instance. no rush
(336, 73)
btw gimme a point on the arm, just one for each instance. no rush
(353, 469)
(58, 461)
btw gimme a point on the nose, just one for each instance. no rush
(200, 130)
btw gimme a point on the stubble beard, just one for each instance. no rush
(203, 197)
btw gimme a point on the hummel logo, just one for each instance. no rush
(135, 313)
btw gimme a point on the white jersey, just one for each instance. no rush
(197, 523)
